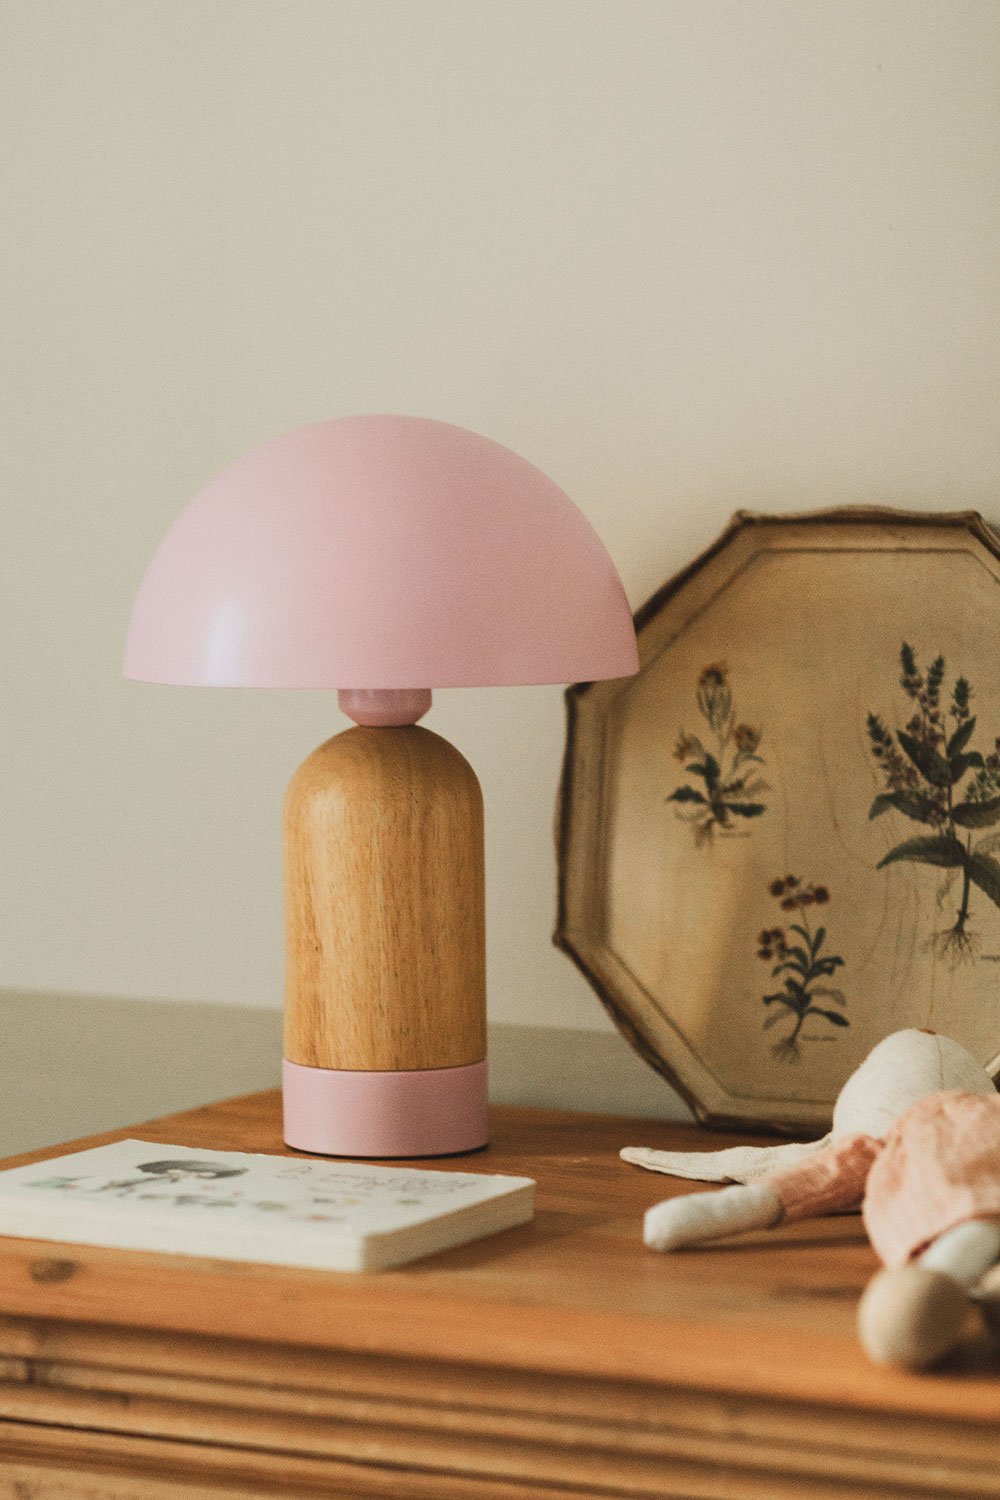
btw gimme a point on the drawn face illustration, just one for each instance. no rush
(180, 1170)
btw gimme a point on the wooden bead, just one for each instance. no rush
(384, 904)
(911, 1316)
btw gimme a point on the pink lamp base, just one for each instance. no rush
(428, 1112)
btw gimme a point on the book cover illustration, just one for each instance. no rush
(304, 1211)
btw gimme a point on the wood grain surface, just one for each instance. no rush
(559, 1358)
(384, 905)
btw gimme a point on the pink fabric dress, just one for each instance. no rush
(938, 1167)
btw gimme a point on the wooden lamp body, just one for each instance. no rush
(381, 556)
(385, 1004)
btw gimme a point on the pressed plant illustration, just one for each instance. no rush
(804, 969)
(933, 776)
(724, 785)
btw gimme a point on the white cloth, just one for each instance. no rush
(737, 1164)
(966, 1252)
(697, 1217)
(902, 1069)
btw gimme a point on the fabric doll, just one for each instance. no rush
(915, 1145)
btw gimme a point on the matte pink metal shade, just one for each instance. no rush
(380, 552)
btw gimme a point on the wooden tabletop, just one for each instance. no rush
(737, 1361)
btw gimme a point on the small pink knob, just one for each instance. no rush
(382, 708)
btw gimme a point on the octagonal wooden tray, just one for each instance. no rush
(781, 840)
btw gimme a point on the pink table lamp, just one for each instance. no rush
(382, 556)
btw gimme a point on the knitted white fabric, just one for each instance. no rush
(737, 1164)
(966, 1252)
(902, 1069)
(697, 1217)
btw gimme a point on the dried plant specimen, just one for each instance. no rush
(933, 776)
(724, 785)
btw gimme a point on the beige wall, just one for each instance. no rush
(685, 255)
(107, 1063)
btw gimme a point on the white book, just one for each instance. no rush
(237, 1205)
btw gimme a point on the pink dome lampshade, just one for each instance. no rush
(382, 556)
(375, 552)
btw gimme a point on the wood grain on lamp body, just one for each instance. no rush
(384, 893)
(558, 1359)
